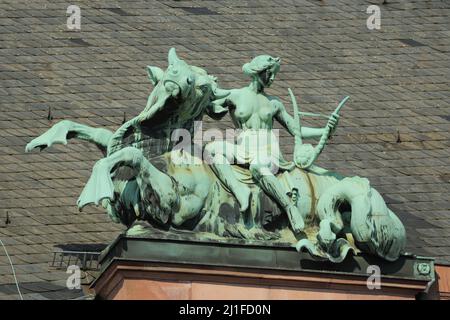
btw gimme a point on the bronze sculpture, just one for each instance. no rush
(143, 177)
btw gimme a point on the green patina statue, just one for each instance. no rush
(231, 190)
(254, 111)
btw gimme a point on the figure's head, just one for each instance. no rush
(262, 68)
(304, 155)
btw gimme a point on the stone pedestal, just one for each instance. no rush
(143, 268)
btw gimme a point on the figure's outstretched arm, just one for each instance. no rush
(217, 109)
(288, 122)
(65, 130)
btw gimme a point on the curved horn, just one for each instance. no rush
(341, 104)
(173, 58)
(298, 136)
(324, 139)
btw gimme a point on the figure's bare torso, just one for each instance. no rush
(250, 110)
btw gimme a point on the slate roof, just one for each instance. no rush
(394, 131)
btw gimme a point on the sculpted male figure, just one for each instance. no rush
(253, 111)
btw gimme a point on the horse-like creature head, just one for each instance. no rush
(182, 93)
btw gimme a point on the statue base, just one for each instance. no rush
(149, 268)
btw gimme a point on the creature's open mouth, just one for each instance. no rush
(161, 104)
(159, 112)
(172, 88)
